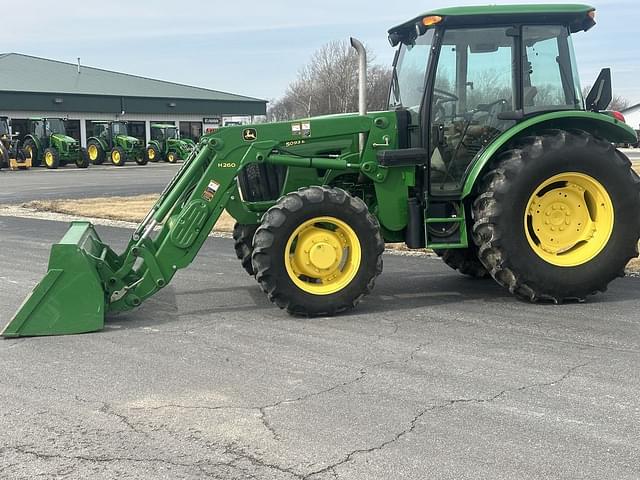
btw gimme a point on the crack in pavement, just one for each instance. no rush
(25, 450)
(241, 454)
(262, 409)
(414, 422)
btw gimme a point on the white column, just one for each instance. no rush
(147, 131)
(83, 132)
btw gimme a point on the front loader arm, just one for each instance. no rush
(86, 278)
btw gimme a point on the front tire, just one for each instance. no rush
(317, 252)
(83, 159)
(557, 217)
(4, 156)
(51, 158)
(172, 157)
(118, 156)
(140, 159)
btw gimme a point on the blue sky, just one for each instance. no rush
(255, 48)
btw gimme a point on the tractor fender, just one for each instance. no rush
(101, 142)
(597, 124)
(35, 140)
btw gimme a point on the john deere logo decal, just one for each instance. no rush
(249, 134)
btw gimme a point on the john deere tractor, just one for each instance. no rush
(111, 140)
(487, 154)
(48, 143)
(166, 144)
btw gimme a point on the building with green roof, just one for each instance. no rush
(39, 87)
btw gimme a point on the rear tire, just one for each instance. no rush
(118, 156)
(31, 150)
(243, 243)
(520, 217)
(51, 158)
(319, 229)
(96, 152)
(464, 260)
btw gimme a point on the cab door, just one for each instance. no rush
(475, 81)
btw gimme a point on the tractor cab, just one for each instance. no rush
(54, 126)
(120, 128)
(465, 78)
(162, 132)
(109, 131)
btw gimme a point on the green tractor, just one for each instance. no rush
(112, 140)
(487, 154)
(48, 143)
(166, 144)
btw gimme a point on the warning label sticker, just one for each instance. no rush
(210, 191)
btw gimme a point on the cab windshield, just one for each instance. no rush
(54, 125)
(4, 127)
(172, 132)
(119, 128)
(410, 73)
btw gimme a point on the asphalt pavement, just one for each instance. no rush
(433, 376)
(96, 181)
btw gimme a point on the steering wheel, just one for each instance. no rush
(443, 97)
(449, 97)
(492, 111)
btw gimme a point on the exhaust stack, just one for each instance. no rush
(362, 82)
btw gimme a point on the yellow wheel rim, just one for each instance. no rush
(569, 219)
(115, 156)
(93, 152)
(48, 159)
(171, 158)
(151, 154)
(29, 152)
(322, 255)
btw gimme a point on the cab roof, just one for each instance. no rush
(576, 16)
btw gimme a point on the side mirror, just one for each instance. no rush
(601, 94)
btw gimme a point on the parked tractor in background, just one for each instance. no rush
(167, 145)
(487, 154)
(112, 140)
(48, 143)
(11, 155)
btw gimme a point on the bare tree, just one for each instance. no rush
(329, 84)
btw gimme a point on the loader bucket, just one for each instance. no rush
(70, 298)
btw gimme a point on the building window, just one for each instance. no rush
(192, 130)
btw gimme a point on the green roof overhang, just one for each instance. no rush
(576, 16)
